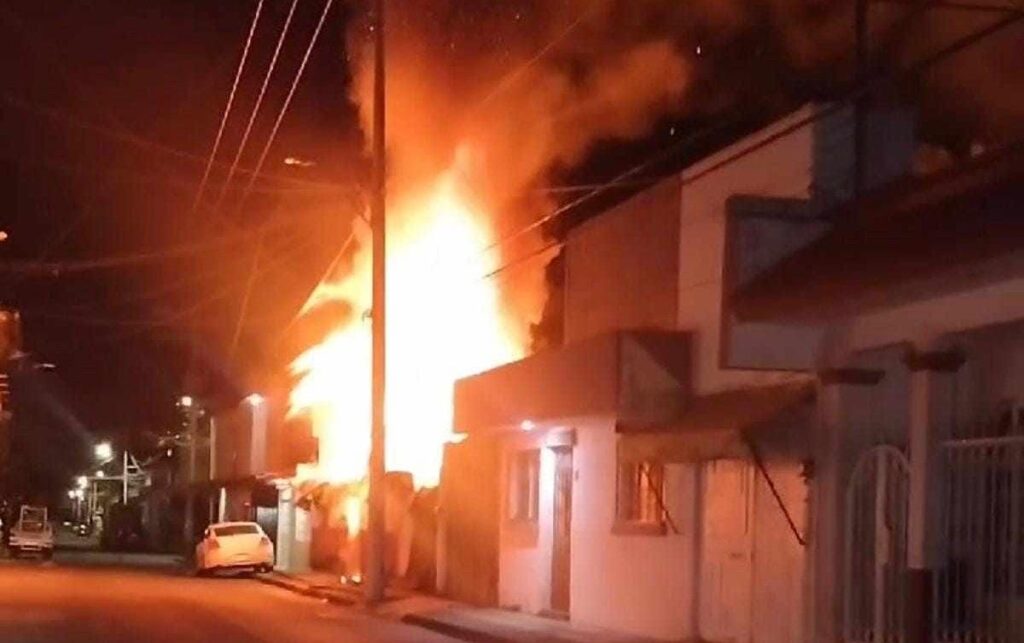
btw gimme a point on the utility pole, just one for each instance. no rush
(375, 526)
(188, 526)
(124, 478)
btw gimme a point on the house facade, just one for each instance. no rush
(919, 295)
(781, 413)
(658, 474)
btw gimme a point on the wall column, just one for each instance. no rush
(285, 525)
(930, 422)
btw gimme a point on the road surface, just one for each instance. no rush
(92, 598)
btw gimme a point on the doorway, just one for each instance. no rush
(727, 551)
(562, 526)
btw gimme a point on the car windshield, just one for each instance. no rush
(31, 525)
(236, 530)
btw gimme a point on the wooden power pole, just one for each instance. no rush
(376, 497)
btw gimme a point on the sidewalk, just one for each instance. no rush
(457, 620)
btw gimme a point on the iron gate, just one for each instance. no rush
(876, 547)
(979, 586)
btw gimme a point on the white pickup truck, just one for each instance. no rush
(32, 533)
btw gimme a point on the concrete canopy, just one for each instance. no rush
(641, 377)
(718, 425)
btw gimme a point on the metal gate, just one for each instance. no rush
(874, 580)
(979, 586)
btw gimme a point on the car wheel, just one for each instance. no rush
(48, 554)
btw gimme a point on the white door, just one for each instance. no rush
(726, 551)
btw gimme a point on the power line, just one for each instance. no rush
(287, 103)
(829, 110)
(514, 75)
(256, 106)
(227, 107)
(140, 142)
(56, 268)
(955, 5)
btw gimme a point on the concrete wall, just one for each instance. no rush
(782, 169)
(640, 584)
(620, 268)
(630, 583)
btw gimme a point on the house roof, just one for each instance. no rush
(917, 238)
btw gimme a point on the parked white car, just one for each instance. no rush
(32, 534)
(234, 546)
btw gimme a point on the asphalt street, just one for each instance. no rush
(85, 597)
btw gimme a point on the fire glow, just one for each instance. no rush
(445, 321)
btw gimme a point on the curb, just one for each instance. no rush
(417, 620)
(305, 590)
(455, 631)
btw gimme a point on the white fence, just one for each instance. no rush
(979, 587)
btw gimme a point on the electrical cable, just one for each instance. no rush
(227, 107)
(284, 107)
(825, 112)
(134, 140)
(256, 107)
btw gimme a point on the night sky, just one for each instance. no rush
(108, 111)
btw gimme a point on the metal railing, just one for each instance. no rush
(979, 584)
(876, 547)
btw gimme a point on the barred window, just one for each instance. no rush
(640, 495)
(523, 483)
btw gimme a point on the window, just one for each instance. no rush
(523, 482)
(641, 487)
(236, 530)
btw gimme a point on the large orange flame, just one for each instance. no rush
(444, 322)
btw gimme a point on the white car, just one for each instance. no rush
(234, 546)
(32, 534)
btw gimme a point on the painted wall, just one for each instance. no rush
(525, 548)
(628, 583)
(791, 167)
(620, 267)
(632, 583)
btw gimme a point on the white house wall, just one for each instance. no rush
(783, 168)
(524, 559)
(628, 583)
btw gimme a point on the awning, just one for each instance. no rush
(638, 376)
(715, 426)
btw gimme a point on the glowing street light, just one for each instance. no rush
(100, 474)
(186, 401)
(255, 399)
(82, 482)
(104, 451)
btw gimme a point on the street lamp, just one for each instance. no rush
(186, 401)
(255, 399)
(100, 474)
(104, 451)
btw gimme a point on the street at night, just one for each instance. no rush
(554, 321)
(89, 597)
